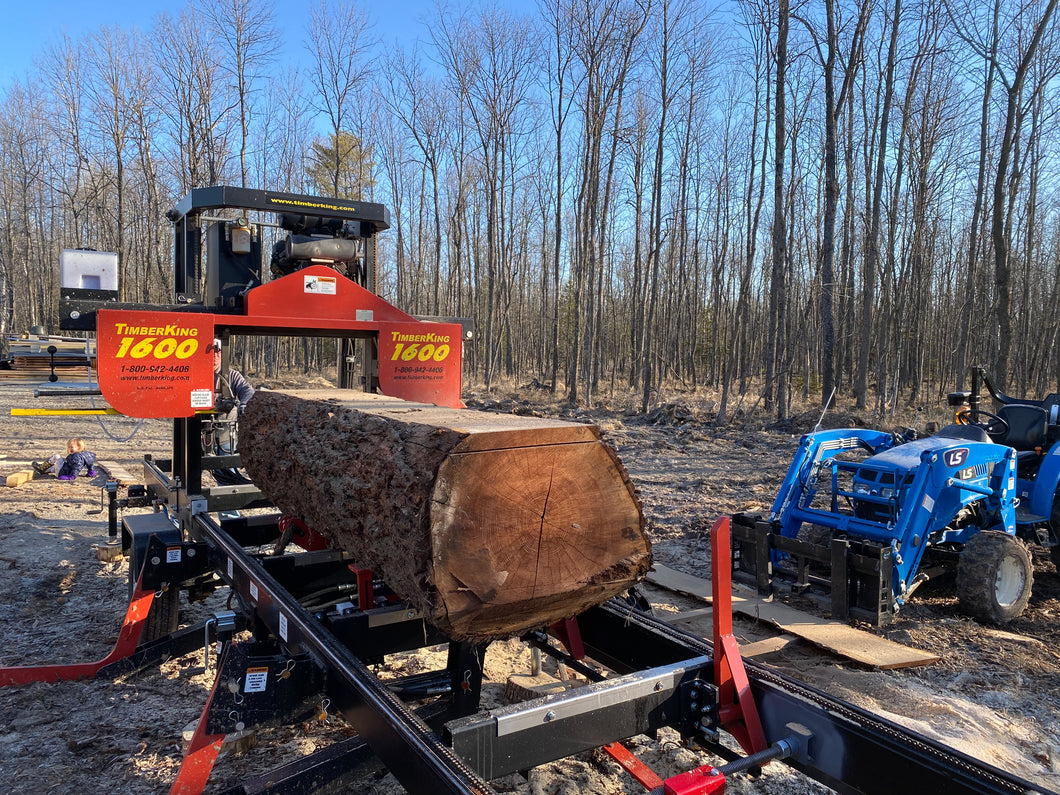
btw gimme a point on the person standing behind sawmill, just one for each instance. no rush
(77, 459)
(231, 391)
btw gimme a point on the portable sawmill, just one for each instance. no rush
(382, 517)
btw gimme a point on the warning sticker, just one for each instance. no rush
(257, 679)
(202, 398)
(172, 554)
(320, 285)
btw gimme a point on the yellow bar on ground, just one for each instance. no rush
(62, 412)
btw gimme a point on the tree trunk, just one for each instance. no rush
(1000, 231)
(775, 345)
(490, 524)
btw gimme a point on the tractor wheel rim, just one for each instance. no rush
(1009, 584)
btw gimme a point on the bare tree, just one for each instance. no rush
(1000, 231)
(111, 54)
(489, 65)
(830, 53)
(420, 103)
(655, 230)
(974, 237)
(997, 47)
(338, 43)
(64, 69)
(875, 202)
(608, 33)
(284, 133)
(246, 28)
(562, 85)
(194, 98)
(776, 379)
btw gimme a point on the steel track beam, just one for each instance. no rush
(404, 743)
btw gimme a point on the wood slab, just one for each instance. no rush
(679, 582)
(701, 616)
(768, 645)
(834, 636)
(18, 478)
(523, 687)
(117, 472)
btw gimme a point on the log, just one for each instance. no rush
(490, 524)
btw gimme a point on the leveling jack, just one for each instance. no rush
(136, 497)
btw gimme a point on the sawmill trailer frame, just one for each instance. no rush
(309, 654)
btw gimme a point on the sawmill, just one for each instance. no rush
(381, 516)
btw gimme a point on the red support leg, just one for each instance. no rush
(704, 780)
(128, 638)
(365, 589)
(570, 635)
(738, 712)
(201, 755)
(644, 775)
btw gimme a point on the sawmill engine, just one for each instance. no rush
(316, 240)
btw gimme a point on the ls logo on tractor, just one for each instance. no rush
(955, 457)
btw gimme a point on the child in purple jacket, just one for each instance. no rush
(77, 459)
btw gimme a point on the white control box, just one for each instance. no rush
(88, 270)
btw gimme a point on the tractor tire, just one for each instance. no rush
(995, 575)
(164, 617)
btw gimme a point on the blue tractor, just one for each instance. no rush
(871, 516)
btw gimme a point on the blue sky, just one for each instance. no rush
(29, 27)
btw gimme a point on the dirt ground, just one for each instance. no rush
(995, 694)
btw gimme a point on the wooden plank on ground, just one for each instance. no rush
(117, 472)
(695, 620)
(679, 582)
(835, 636)
(685, 616)
(768, 645)
(18, 478)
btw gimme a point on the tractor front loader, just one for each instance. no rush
(870, 516)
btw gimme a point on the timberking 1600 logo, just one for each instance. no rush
(420, 347)
(159, 342)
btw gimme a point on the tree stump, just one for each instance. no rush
(491, 524)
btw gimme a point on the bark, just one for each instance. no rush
(489, 524)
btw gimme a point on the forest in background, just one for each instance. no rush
(767, 196)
